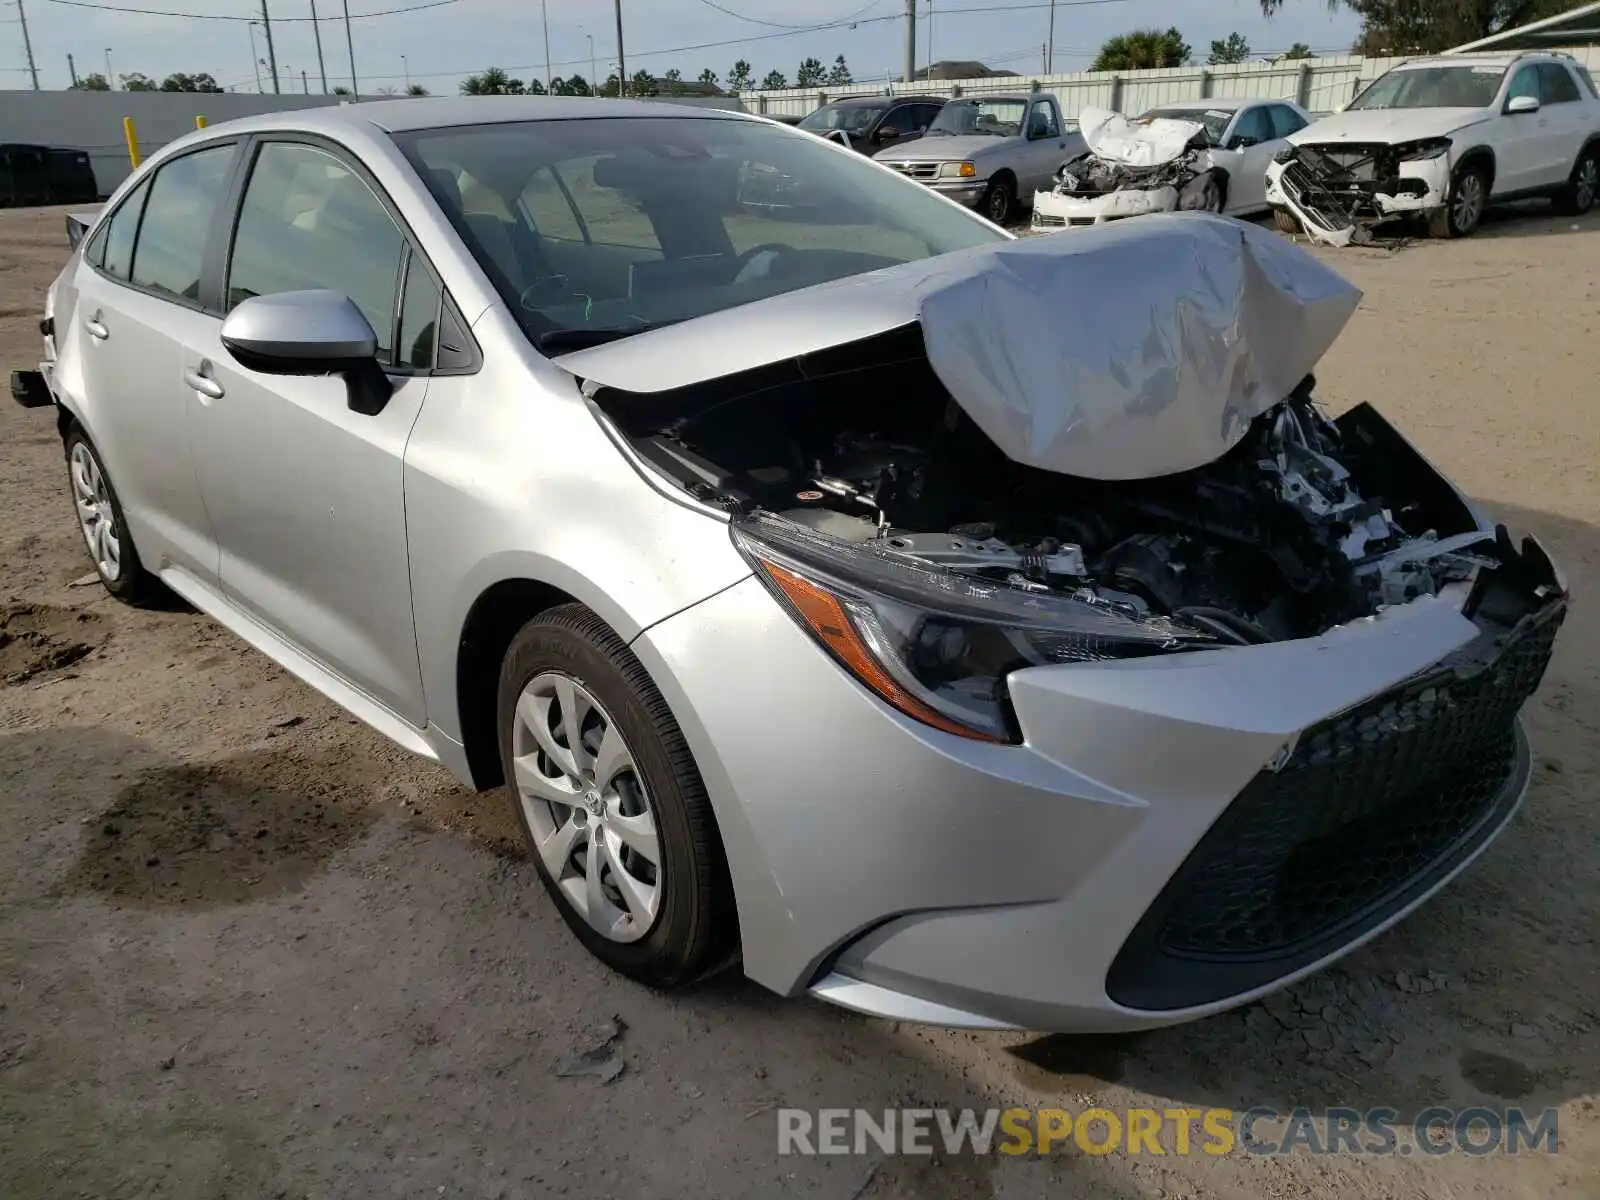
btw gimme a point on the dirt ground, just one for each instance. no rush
(249, 949)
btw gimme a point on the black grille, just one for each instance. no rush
(1369, 808)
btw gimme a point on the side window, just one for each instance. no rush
(172, 237)
(1588, 81)
(309, 221)
(1286, 121)
(548, 208)
(925, 115)
(1042, 121)
(1556, 85)
(419, 317)
(1254, 126)
(1524, 83)
(115, 255)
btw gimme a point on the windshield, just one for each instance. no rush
(594, 229)
(1433, 87)
(1002, 118)
(1214, 119)
(854, 119)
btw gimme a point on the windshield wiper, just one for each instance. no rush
(561, 340)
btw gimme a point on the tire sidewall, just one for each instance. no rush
(132, 582)
(1471, 169)
(997, 188)
(548, 646)
(1590, 155)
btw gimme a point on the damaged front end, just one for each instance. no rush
(1339, 192)
(958, 497)
(1132, 168)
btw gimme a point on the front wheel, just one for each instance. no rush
(1286, 221)
(1000, 201)
(611, 803)
(1463, 212)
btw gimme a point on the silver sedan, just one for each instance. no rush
(961, 629)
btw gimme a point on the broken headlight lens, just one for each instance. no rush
(935, 644)
(1422, 151)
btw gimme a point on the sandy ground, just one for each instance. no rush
(249, 949)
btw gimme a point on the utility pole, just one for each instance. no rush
(72, 69)
(255, 56)
(622, 63)
(544, 16)
(111, 80)
(316, 32)
(594, 71)
(27, 45)
(911, 40)
(305, 84)
(272, 55)
(1050, 46)
(350, 45)
(930, 39)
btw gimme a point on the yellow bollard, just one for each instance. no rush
(199, 122)
(133, 141)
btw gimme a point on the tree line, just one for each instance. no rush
(741, 78)
(134, 81)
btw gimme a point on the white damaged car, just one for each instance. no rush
(1210, 156)
(1443, 139)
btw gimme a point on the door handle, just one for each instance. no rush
(95, 328)
(201, 381)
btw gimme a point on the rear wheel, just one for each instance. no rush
(1463, 212)
(100, 521)
(1583, 189)
(1000, 201)
(1285, 221)
(611, 804)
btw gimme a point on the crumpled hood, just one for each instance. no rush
(1114, 138)
(1388, 125)
(941, 147)
(1126, 351)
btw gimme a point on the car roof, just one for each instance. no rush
(1468, 60)
(852, 101)
(427, 112)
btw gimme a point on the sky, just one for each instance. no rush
(440, 44)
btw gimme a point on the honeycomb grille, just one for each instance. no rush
(1369, 804)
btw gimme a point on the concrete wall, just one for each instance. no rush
(92, 121)
(1318, 84)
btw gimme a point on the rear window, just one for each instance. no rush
(1588, 81)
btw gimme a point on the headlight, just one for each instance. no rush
(1287, 155)
(1423, 150)
(937, 645)
(957, 170)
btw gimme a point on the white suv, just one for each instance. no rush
(1444, 138)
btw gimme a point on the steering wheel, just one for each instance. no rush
(749, 256)
(547, 289)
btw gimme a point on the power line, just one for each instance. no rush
(190, 16)
(782, 25)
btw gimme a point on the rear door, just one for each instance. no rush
(1561, 103)
(305, 494)
(142, 295)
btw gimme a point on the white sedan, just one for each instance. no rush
(1210, 155)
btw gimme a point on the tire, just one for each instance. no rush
(691, 928)
(1286, 221)
(1583, 188)
(1000, 201)
(1463, 211)
(98, 513)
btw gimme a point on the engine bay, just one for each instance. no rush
(1305, 524)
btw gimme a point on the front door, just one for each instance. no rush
(1042, 149)
(306, 495)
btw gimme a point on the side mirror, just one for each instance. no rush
(1522, 104)
(318, 332)
(1242, 141)
(886, 133)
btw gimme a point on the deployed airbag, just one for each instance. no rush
(1144, 143)
(1136, 349)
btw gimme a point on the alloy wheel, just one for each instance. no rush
(96, 516)
(999, 204)
(585, 802)
(1467, 205)
(1587, 183)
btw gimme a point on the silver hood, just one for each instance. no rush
(944, 147)
(1124, 352)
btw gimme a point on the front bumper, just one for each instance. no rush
(1174, 837)
(963, 191)
(1332, 210)
(1052, 211)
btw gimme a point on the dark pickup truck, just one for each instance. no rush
(872, 123)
